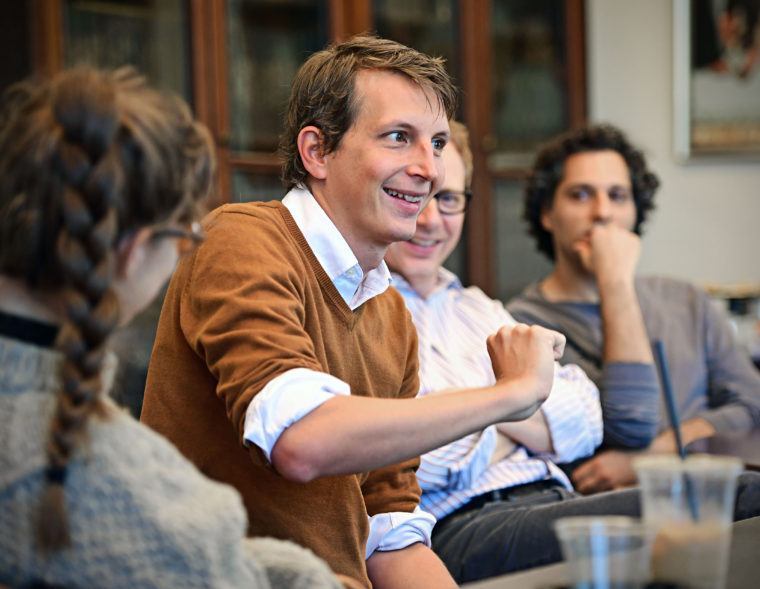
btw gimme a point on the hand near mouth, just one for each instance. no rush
(610, 253)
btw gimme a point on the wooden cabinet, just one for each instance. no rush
(520, 64)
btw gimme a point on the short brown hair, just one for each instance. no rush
(323, 94)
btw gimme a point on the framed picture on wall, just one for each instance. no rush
(716, 72)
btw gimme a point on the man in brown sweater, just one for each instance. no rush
(283, 363)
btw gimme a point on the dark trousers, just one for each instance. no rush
(495, 537)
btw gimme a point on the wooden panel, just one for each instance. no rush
(209, 67)
(47, 33)
(255, 162)
(348, 17)
(477, 109)
(575, 46)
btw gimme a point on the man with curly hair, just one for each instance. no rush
(586, 198)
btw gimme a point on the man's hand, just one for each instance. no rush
(608, 470)
(526, 353)
(611, 254)
(613, 469)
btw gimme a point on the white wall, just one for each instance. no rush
(706, 227)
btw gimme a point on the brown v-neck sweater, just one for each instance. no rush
(249, 304)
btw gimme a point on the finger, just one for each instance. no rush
(584, 486)
(556, 339)
(580, 476)
(558, 344)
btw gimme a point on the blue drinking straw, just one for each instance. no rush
(662, 365)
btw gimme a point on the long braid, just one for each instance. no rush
(85, 246)
(87, 159)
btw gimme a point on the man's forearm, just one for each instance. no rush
(693, 429)
(624, 332)
(615, 254)
(357, 434)
(414, 567)
(349, 434)
(533, 433)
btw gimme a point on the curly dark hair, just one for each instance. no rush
(323, 92)
(548, 170)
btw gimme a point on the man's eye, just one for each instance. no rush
(580, 193)
(439, 144)
(619, 195)
(448, 199)
(397, 136)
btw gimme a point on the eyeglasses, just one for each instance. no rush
(451, 202)
(187, 237)
(192, 232)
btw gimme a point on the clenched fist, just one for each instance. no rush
(525, 354)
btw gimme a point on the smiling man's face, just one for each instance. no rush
(419, 259)
(387, 164)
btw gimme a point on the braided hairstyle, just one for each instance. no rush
(86, 159)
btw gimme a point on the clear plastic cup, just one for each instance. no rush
(605, 552)
(689, 502)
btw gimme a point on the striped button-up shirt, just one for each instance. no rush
(452, 325)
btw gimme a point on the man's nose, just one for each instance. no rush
(602, 208)
(430, 215)
(424, 163)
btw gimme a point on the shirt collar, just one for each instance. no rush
(446, 280)
(333, 252)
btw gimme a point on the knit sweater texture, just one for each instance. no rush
(712, 376)
(252, 302)
(139, 514)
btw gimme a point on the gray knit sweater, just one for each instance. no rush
(713, 377)
(140, 515)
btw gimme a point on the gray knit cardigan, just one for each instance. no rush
(140, 515)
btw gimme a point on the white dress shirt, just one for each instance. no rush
(290, 396)
(452, 325)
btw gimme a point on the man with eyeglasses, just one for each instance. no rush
(495, 492)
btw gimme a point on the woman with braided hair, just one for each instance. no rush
(101, 182)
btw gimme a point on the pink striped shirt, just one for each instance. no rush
(452, 325)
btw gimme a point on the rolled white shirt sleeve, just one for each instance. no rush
(283, 401)
(398, 529)
(573, 413)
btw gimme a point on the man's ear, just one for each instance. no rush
(311, 149)
(131, 252)
(546, 221)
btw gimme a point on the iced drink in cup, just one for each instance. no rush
(690, 502)
(605, 552)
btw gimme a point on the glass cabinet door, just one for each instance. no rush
(267, 41)
(431, 26)
(247, 187)
(529, 87)
(518, 263)
(152, 35)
